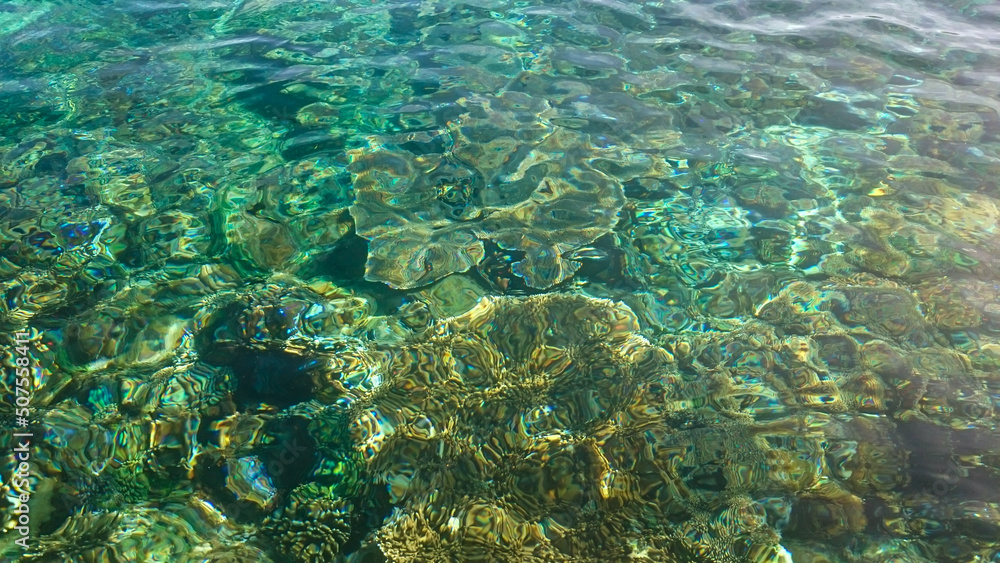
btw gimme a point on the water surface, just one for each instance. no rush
(502, 281)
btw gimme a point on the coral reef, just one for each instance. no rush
(529, 188)
(500, 281)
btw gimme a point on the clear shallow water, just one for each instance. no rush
(734, 265)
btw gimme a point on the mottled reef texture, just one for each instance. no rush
(497, 281)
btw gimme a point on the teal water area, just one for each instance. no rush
(491, 281)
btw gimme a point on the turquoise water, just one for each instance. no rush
(500, 281)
